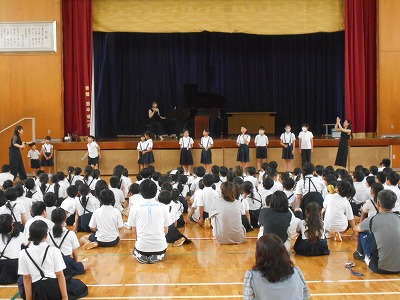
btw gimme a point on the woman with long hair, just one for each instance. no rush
(274, 275)
(345, 135)
(16, 163)
(311, 240)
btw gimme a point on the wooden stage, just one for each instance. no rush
(123, 151)
(207, 270)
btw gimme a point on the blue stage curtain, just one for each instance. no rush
(301, 77)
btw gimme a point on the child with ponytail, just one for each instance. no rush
(311, 241)
(11, 242)
(67, 242)
(85, 206)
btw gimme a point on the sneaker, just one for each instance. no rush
(143, 259)
(90, 245)
(152, 259)
(179, 242)
(358, 256)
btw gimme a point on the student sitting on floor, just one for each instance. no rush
(67, 242)
(50, 199)
(41, 267)
(11, 243)
(311, 241)
(86, 204)
(13, 208)
(177, 202)
(149, 220)
(226, 217)
(39, 212)
(69, 204)
(105, 223)
(379, 237)
(255, 203)
(173, 236)
(370, 208)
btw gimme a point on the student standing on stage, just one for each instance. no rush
(34, 154)
(243, 141)
(47, 153)
(140, 148)
(186, 159)
(147, 152)
(206, 143)
(261, 142)
(288, 142)
(306, 144)
(93, 152)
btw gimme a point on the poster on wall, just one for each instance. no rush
(28, 37)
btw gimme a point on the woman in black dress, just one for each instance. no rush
(16, 163)
(345, 135)
(156, 120)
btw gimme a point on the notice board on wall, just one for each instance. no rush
(28, 37)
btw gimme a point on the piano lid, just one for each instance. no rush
(196, 99)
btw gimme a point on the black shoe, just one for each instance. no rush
(358, 256)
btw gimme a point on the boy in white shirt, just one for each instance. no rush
(105, 223)
(392, 181)
(199, 171)
(251, 176)
(50, 200)
(208, 197)
(69, 204)
(261, 142)
(149, 220)
(5, 174)
(118, 194)
(24, 201)
(305, 144)
(93, 152)
(360, 187)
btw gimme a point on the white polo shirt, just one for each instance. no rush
(261, 140)
(206, 142)
(53, 263)
(207, 198)
(241, 141)
(306, 138)
(6, 176)
(27, 204)
(186, 142)
(91, 204)
(93, 149)
(14, 247)
(69, 205)
(119, 198)
(107, 220)
(149, 217)
(70, 243)
(28, 223)
(17, 210)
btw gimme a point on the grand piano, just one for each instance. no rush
(205, 105)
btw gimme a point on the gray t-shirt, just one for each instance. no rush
(386, 229)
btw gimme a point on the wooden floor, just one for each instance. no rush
(207, 270)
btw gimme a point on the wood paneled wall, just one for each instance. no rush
(31, 83)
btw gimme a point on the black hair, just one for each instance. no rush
(70, 170)
(385, 162)
(84, 191)
(319, 169)
(215, 169)
(175, 176)
(200, 171)
(125, 172)
(314, 224)
(7, 230)
(7, 184)
(344, 189)
(268, 200)
(305, 125)
(164, 197)
(48, 138)
(77, 171)
(370, 180)
(308, 169)
(230, 176)
(58, 217)
(96, 174)
(381, 176)
(50, 199)
(114, 182)
(271, 173)
(208, 180)
(156, 176)
(175, 194)
(201, 184)
(55, 179)
(61, 175)
(29, 185)
(100, 186)
(393, 177)
(5, 168)
(359, 176)
(280, 202)
(44, 180)
(2, 198)
(148, 189)
(288, 183)
(358, 168)
(117, 171)
(387, 198)
(330, 177)
(20, 189)
(223, 171)
(365, 171)
(251, 171)
(248, 188)
(268, 183)
(373, 170)
(88, 172)
(134, 189)
(163, 179)
(32, 144)
(145, 173)
(17, 128)
(92, 137)
(216, 178)
(182, 179)
(10, 194)
(38, 232)
(107, 197)
(166, 186)
(72, 191)
(38, 208)
(376, 188)
(273, 164)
